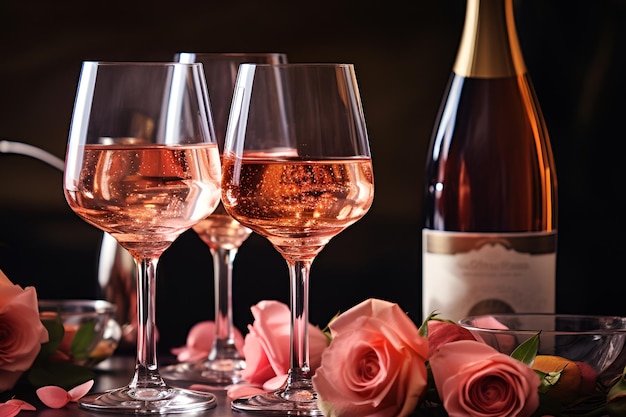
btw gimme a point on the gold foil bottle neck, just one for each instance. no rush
(489, 46)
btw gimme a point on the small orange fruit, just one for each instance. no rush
(577, 378)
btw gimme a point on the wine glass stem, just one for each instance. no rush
(146, 369)
(299, 385)
(224, 343)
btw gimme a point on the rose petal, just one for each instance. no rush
(488, 322)
(200, 342)
(79, 391)
(258, 368)
(9, 410)
(441, 332)
(22, 404)
(275, 383)
(243, 390)
(53, 396)
(201, 335)
(201, 387)
(189, 354)
(506, 342)
(272, 328)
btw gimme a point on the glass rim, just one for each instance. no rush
(85, 305)
(143, 63)
(467, 323)
(302, 65)
(232, 54)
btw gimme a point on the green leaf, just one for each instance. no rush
(55, 329)
(83, 340)
(527, 351)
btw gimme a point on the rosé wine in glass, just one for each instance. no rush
(297, 170)
(142, 164)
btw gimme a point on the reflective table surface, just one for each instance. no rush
(114, 373)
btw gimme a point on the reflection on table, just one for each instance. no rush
(118, 370)
(114, 373)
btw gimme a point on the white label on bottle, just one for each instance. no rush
(468, 274)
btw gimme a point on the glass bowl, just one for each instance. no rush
(597, 341)
(90, 333)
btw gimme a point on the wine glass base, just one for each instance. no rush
(272, 403)
(216, 374)
(149, 401)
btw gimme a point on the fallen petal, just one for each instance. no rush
(190, 354)
(275, 383)
(201, 387)
(22, 404)
(242, 390)
(9, 410)
(53, 396)
(79, 391)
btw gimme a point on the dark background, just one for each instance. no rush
(403, 51)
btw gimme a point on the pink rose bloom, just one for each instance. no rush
(21, 331)
(473, 380)
(267, 347)
(200, 341)
(375, 364)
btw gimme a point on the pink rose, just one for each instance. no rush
(200, 341)
(473, 379)
(375, 364)
(21, 331)
(267, 347)
(442, 332)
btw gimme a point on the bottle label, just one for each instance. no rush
(468, 274)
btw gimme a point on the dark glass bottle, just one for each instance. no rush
(490, 235)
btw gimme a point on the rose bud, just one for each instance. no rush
(442, 332)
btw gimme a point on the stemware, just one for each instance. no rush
(297, 170)
(143, 165)
(220, 232)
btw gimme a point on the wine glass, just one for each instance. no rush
(297, 170)
(220, 232)
(142, 164)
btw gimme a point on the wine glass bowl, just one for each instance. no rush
(142, 164)
(297, 170)
(220, 232)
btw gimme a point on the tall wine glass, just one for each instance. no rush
(297, 170)
(142, 164)
(220, 232)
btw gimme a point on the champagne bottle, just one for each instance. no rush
(490, 231)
